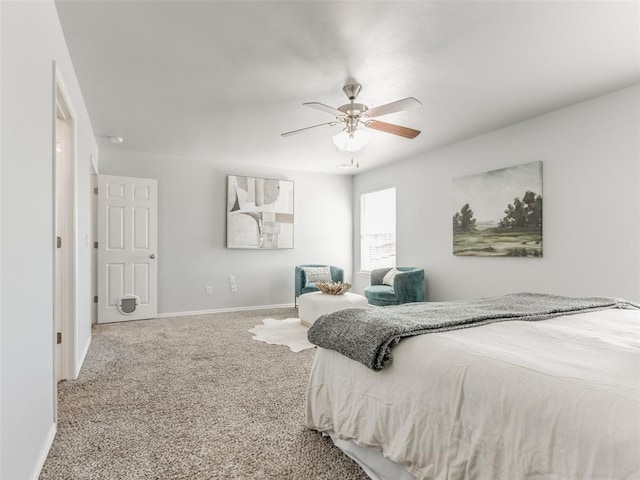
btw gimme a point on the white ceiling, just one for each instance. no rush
(223, 80)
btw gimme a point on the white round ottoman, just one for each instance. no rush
(313, 305)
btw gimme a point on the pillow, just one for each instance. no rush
(318, 274)
(390, 276)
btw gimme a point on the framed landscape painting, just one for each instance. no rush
(259, 213)
(499, 213)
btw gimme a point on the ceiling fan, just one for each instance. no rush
(352, 115)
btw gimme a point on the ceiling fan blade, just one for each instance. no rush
(300, 130)
(391, 128)
(397, 106)
(325, 108)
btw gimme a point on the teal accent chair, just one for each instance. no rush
(301, 285)
(408, 286)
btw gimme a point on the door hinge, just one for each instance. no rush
(59, 338)
(95, 190)
(59, 242)
(95, 244)
(95, 299)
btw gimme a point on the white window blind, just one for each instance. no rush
(378, 229)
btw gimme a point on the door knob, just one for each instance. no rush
(153, 255)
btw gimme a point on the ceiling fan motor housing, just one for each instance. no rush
(353, 109)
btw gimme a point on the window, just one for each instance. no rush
(378, 229)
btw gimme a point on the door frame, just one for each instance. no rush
(94, 239)
(67, 325)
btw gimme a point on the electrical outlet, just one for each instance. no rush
(232, 279)
(209, 290)
(233, 288)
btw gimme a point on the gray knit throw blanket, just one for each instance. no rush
(367, 335)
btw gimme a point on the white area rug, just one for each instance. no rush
(289, 332)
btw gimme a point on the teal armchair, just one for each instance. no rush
(302, 285)
(408, 286)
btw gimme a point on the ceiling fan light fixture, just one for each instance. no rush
(351, 142)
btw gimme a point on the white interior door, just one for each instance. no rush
(127, 248)
(65, 250)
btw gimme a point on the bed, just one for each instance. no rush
(557, 398)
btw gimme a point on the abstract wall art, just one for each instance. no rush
(499, 213)
(259, 213)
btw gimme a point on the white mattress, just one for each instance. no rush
(555, 399)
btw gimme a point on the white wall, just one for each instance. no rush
(192, 232)
(31, 40)
(591, 218)
(0, 237)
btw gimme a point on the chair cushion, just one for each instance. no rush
(380, 295)
(309, 289)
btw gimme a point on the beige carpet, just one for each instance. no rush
(190, 398)
(289, 332)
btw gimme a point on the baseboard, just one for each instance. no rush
(82, 357)
(46, 446)
(224, 310)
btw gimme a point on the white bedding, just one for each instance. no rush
(555, 399)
